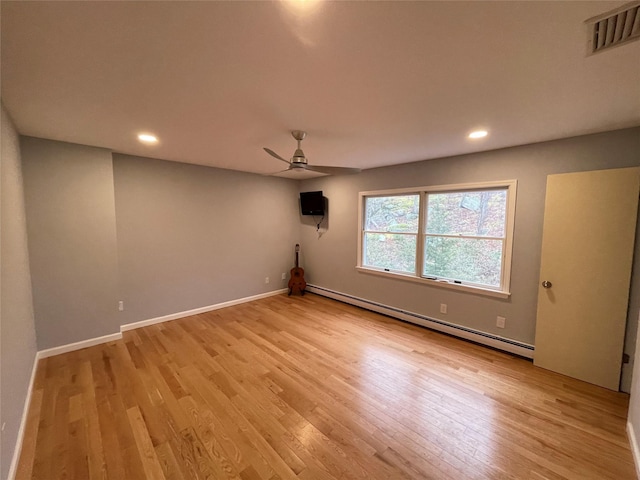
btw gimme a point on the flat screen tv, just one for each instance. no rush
(312, 203)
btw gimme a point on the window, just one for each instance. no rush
(391, 232)
(459, 236)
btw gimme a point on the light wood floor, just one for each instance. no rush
(309, 388)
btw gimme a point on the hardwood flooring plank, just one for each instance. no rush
(27, 459)
(312, 389)
(217, 457)
(168, 462)
(233, 436)
(94, 439)
(143, 441)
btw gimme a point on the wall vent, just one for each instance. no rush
(614, 28)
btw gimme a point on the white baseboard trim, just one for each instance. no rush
(50, 352)
(635, 451)
(23, 422)
(488, 339)
(195, 311)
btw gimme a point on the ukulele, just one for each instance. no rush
(296, 282)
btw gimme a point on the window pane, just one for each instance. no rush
(386, 250)
(475, 213)
(465, 259)
(392, 214)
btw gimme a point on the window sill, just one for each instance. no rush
(436, 283)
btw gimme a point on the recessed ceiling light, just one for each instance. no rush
(303, 6)
(478, 134)
(148, 138)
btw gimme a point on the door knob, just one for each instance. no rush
(547, 284)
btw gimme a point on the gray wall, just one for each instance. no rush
(71, 226)
(192, 236)
(330, 259)
(17, 331)
(162, 237)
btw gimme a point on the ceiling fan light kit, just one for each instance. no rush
(299, 160)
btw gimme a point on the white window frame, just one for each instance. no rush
(503, 291)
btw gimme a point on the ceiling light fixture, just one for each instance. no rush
(147, 138)
(478, 134)
(303, 6)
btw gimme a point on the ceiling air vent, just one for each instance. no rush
(614, 28)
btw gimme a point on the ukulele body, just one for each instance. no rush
(297, 284)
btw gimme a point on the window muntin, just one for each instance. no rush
(464, 239)
(390, 233)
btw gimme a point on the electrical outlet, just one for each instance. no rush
(500, 322)
(284, 276)
(121, 305)
(443, 308)
(266, 279)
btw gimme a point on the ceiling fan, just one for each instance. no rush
(299, 161)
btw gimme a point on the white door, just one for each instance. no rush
(587, 252)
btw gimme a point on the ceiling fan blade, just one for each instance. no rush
(276, 173)
(274, 154)
(333, 170)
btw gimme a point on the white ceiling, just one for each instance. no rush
(373, 83)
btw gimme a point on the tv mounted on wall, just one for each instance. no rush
(312, 203)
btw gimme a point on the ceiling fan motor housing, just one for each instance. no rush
(299, 158)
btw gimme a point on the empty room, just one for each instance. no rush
(310, 239)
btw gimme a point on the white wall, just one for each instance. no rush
(17, 331)
(330, 259)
